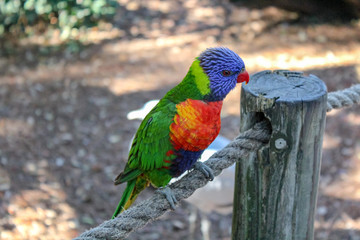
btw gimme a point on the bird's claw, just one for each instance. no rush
(169, 195)
(208, 172)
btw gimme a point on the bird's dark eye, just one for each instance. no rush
(242, 70)
(226, 73)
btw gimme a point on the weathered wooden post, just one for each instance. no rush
(276, 189)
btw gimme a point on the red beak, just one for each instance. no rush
(243, 77)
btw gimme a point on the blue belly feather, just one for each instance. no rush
(185, 160)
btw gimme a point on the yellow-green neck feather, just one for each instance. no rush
(201, 79)
(195, 85)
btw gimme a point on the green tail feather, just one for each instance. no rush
(132, 190)
(125, 197)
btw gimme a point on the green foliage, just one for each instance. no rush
(17, 15)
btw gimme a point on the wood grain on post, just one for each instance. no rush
(276, 188)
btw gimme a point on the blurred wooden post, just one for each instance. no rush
(276, 188)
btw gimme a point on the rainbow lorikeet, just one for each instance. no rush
(181, 126)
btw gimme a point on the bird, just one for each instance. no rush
(175, 133)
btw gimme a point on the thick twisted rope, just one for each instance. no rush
(138, 216)
(343, 98)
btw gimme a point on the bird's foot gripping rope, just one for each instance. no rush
(138, 216)
(169, 195)
(205, 170)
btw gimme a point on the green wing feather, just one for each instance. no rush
(151, 142)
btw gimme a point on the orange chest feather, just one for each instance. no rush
(195, 125)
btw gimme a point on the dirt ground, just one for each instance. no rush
(64, 134)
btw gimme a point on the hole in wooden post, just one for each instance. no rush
(252, 118)
(260, 117)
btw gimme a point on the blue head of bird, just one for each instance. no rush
(224, 69)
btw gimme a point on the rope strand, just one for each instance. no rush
(343, 98)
